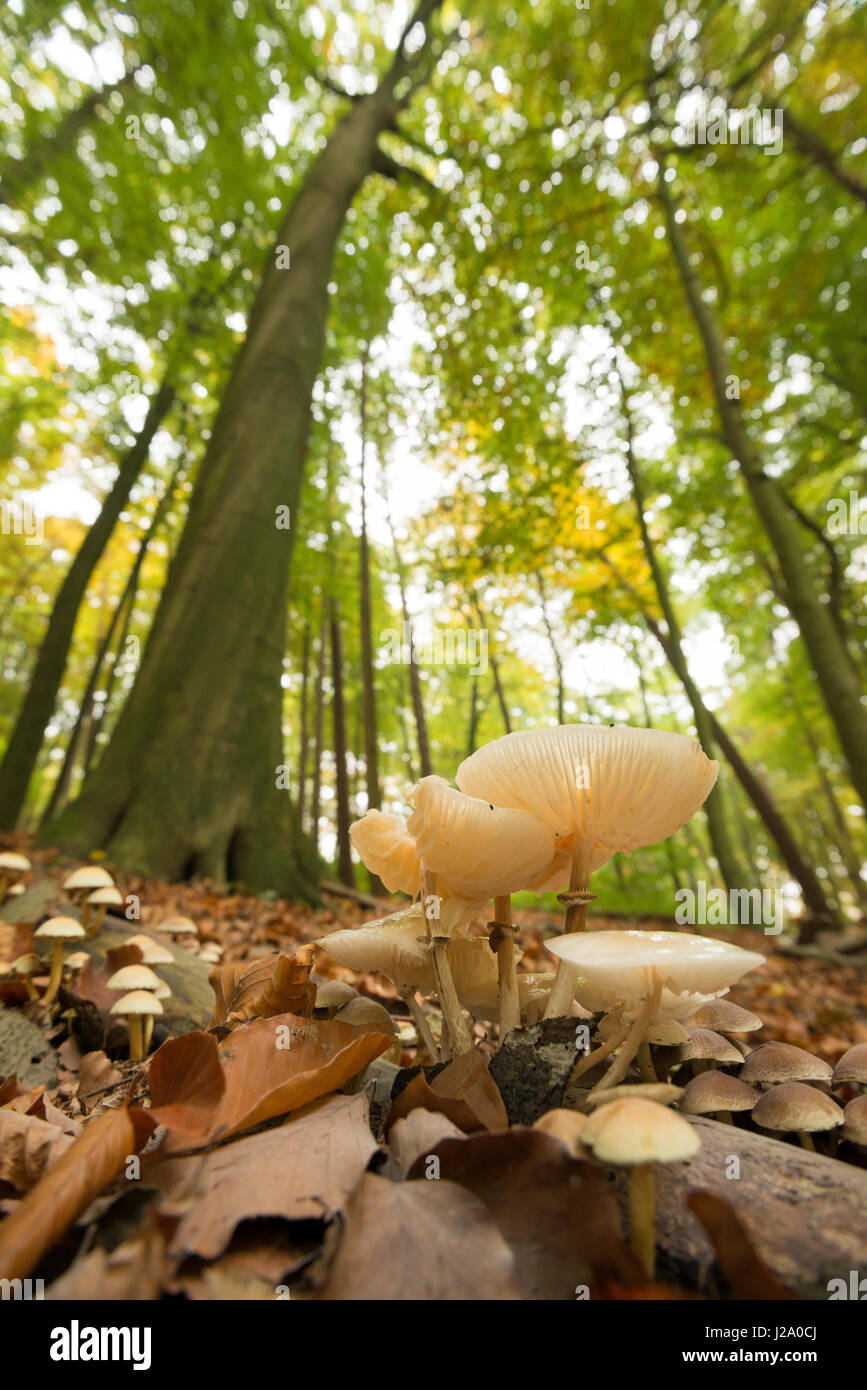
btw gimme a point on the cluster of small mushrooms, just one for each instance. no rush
(542, 810)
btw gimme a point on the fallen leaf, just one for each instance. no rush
(28, 1148)
(88, 1165)
(305, 1169)
(95, 1073)
(419, 1241)
(744, 1270)
(557, 1213)
(417, 1133)
(133, 1272)
(203, 1091)
(26, 1102)
(261, 989)
(465, 1091)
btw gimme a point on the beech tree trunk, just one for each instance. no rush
(190, 780)
(368, 688)
(303, 736)
(836, 674)
(319, 735)
(38, 705)
(345, 868)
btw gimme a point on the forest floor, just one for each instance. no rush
(317, 1203)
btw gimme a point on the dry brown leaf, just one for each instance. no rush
(27, 1103)
(426, 1241)
(261, 989)
(465, 1091)
(9, 1089)
(745, 1271)
(28, 1148)
(557, 1213)
(89, 1164)
(204, 1092)
(416, 1134)
(305, 1169)
(95, 1072)
(133, 1272)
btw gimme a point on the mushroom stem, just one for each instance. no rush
(147, 1034)
(806, 1140)
(577, 900)
(592, 1058)
(645, 1062)
(95, 925)
(459, 1037)
(5, 883)
(725, 1117)
(642, 1216)
(503, 937)
(56, 973)
(421, 1023)
(84, 908)
(634, 1038)
(136, 1042)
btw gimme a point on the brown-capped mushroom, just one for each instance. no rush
(855, 1121)
(798, 1109)
(703, 1045)
(778, 1062)
(717, 1093)
(851, 1070)
(61, 932)
(725, 1017)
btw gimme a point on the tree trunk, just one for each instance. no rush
(23, 749)
(495, 671)
(190, 781)
(415, 688)
(368, 689)
(303, 736)
(835, 672)
(812, 145)
(319, 735)
(345, 868)
(555, 650)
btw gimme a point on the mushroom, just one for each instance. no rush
(852, 1067)
(12, 867)
(638, 1133)
(361, 1013)
(152, 952)
(136, 1007)
(25, 967)
(797, 1108)
(396, 946)
(717, 1093)
(388, 850)
(704, 1045)
(855, 1121)
(16, 890)
(83, 881)
(643, 972)
(211, 952)
(75, 963)
(162, 991)
(565, 1125)
(60, 931)
(599, 789)
(178, 926)
(725, 1017)
(778, 1062)
(481, 851)
(332, 995)
(102, 899)
(138, 976)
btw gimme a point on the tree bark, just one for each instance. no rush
(303, 736)
(319, 735)
(368, 688)
(345, 868)
(26, 740)
(189, 783)
(836, 674)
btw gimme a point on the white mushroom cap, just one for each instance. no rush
(177, 926)
(14, 862)
(480, 850)
(395, 946)
(139, 1001)
(153, 952)
(88, 876)
(639, 1131)
(162, 991)
(60, 929)
(776, 1061)
(624, 965)
(387, 849)
(77, 961)
(619, 787)
(109, 895)
(139, 976)
(794, 1106)
(15, 890)
(28, 964)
